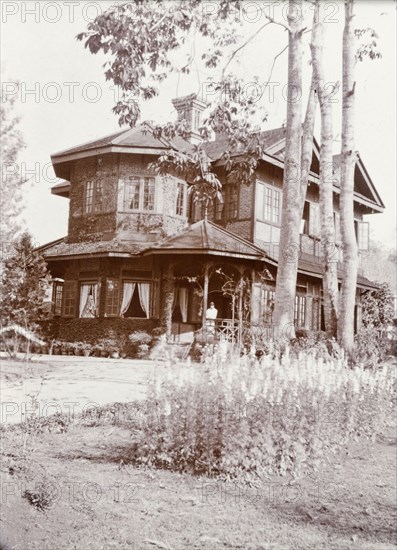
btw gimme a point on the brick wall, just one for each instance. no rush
(92, 226)
(113, 221)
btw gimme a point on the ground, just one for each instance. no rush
(99, 500)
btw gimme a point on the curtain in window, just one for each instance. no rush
(183, 302)
(144, 293)
(88, 300)
(128, 291)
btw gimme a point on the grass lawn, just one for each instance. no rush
(101, 501)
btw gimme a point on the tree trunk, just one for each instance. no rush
(291, 211)
(168, 300)
(348, 162)
(307, 142)
(329, 252)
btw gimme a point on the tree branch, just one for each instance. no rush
(242, 46)
(271, 20)
(274, 63)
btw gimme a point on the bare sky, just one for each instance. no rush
(64, 100)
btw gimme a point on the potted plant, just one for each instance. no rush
(86, 349)
(111, 347)
(140, 344)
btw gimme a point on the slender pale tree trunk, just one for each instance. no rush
(329, 256)
(168, 300)
(291, 211)
(348, 163)
(307, 142)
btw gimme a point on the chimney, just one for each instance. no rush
(189, 108)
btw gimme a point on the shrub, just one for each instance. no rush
(273, 417)
(138, 344)
(371, 348)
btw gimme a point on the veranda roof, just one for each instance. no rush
(205, 237)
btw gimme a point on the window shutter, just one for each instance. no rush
(314, 219)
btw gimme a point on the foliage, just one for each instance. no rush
(371, 347)
(42, 497)
(23, 285)
(11, 143)
(92, 330)
(378, 307)
(274, 417)
(139, 39)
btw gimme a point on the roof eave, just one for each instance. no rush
(202, 252)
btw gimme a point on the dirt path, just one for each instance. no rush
(71, 384)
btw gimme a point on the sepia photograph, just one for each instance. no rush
(198, 274)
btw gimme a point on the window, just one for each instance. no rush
(57, 293)
(93, 197)
(69, 298)
(180, 208)
(139, 193)
(136, 299)
(268, 204)
(362, 234)
(268, 296)
(112, 298)
(218, 207)
(300, 310)
(131, 200)
(272, 205)
(232, 202)
(311, 219)
(148, 194)
(89, 300)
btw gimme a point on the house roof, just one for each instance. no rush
(140, 140)
(60, 249)
(139, 137)
(205, 237)
(215, 149)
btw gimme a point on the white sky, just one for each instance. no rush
(72, 101)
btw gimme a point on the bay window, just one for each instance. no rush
(135, 299)
(139, 193)
(57, 295)
(93, 199)
(69, 298)
(181, 193)
(112, 308)
(88, 307)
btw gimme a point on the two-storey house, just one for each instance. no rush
(135, 238)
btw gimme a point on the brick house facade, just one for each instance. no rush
(134, 237)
